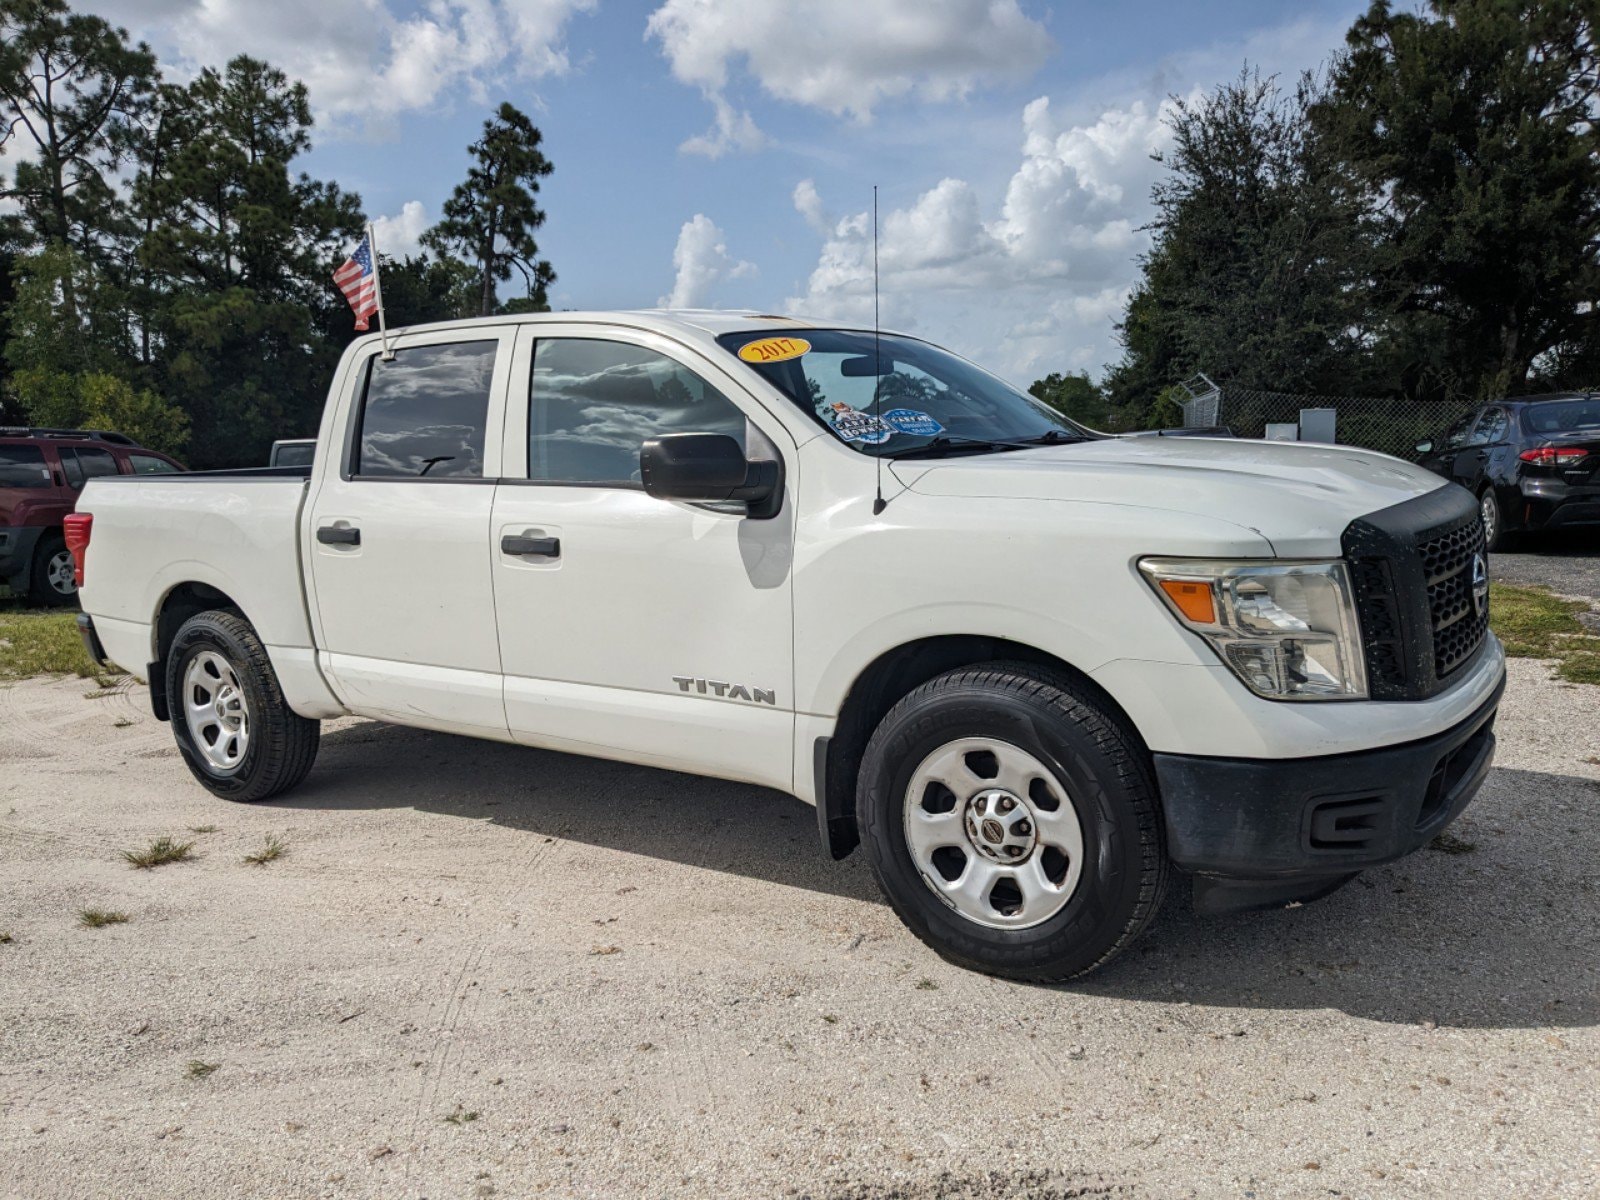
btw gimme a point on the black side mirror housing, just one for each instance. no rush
(709, 468)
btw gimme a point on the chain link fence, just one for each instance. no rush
(1392, 426)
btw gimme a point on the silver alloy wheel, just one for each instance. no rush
(1490, 511)
(214, 706)
(993, 833)
(58, 573)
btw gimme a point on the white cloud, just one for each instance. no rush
(1049, 267)
(844, 56)
(400, 236)
(702, 261)
(730, 130)
(362, 58)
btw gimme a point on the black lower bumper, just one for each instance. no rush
(1260, 832)
(91, 639)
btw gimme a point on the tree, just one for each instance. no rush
(491, 217)
(1075, 396)
(72, 87)
(1257, 271)
(240, 253)
(1471, 131)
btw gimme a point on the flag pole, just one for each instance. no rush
(377, 293)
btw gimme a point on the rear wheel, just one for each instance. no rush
(238, 736)
(1013, 823)
(50, 581)
(1495, 536)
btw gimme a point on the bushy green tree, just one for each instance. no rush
(1075, 396)
(239, 252)
(1470, 129)
(1259, 262)
(490, 218)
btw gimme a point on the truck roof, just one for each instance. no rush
(698, 323)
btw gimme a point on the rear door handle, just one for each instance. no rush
(548, 546)
(331, 535)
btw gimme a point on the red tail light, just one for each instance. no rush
(76, 528)
(1555, 456)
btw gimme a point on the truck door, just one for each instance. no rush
(397, 533)
(648, 630)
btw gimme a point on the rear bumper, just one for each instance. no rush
(1258, 832)
(1556, 504)
(91, 639)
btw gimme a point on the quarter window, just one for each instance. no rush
(23, 467)
(593, 404)
(425, 414)
(149, 464)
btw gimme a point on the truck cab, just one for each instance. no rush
(1035, 672)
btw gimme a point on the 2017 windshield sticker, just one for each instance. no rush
(909, 420)
(773, 349)
(853, 425)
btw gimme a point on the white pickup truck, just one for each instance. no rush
(1033, 669)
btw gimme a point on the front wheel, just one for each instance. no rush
(238, 736)
(1013, 822)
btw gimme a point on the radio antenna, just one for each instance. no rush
(878, 503)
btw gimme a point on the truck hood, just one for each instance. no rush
(1299, 496)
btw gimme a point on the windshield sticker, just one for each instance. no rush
(909, 420)
(853, 425)
(773, 349)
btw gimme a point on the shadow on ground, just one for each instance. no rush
(1505, 933)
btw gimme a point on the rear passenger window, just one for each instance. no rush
(84, 464)
(23, 467)
(149, 464)
(595, 402)
(424, 415)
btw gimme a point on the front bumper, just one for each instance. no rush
(1260, 832)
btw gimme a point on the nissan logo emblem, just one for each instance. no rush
(1480, 585)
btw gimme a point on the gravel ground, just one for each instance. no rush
(488, 971)
(1568, 565)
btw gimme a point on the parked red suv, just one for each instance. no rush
(41, 473)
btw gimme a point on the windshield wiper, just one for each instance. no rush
(945, 443)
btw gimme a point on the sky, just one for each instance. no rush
(722, 153)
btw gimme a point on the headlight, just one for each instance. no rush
(1287, 629)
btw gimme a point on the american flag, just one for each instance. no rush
(358, 280)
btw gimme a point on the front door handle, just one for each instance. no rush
(548, 546)
(332, 535)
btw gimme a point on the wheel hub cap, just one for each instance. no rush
(993, 833)
(216, 711)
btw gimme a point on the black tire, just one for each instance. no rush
(44, 575)
(1106, 775)
(282, 745)
(1496, 537)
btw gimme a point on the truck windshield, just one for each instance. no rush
(895, 396)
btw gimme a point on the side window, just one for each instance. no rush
(1491, 427)
(23, 467)
(84, 464)
(425, 414)
(149, 464)
(1456, 436)
(593, 403)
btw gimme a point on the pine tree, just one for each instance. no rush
(491, 217)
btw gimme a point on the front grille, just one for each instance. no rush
(1459, 622)
(1412, 569)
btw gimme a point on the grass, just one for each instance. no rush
(203, 828)
(1534, 624)
(97, 918)
(43, 643)
(199, 1070)
(160, 852)
(461, 1118)
(271, 852)
(6, 939)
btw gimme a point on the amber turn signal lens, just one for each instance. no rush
(1193, 600)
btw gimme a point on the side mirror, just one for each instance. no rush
(1424, 447)
(709, 468)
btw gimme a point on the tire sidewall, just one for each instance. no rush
(1108, 892)
(199, 635)
(43, 591)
